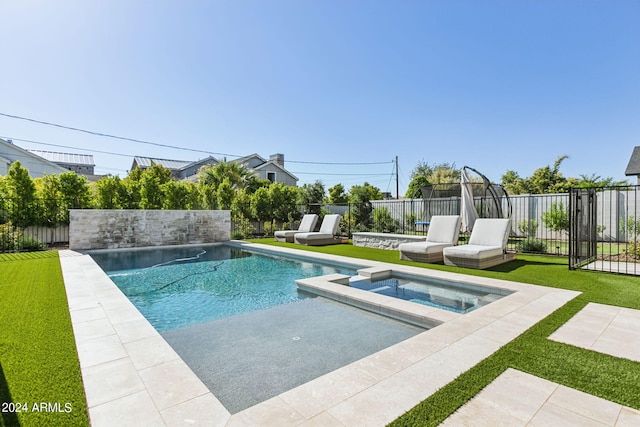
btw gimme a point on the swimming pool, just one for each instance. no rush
(178, 287)
(238, 320)
(457, 297)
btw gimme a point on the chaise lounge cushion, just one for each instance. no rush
(474, 251)
(326, 235)
(486, 248)
(307, 224)
(443, 232)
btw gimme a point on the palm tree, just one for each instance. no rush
(238, 175)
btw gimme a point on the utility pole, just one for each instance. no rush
(397, 185)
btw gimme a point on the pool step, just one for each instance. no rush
(375, 273)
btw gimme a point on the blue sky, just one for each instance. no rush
(496, 85)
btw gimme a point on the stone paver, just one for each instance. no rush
(519, 399)
(603, 328)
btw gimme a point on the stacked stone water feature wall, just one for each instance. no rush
(127, 228)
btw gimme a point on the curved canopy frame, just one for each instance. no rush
(491, 200)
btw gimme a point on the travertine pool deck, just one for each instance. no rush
(133, 377)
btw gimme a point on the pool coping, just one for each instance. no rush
(132, 376)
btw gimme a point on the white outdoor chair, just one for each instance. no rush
(443, 232)
(326, 235)
(487, 245)
(307, 224)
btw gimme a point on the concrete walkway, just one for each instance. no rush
(133, 377)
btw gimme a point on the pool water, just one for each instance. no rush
(175, 288)
(444, 294)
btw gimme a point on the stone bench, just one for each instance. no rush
(384, 240)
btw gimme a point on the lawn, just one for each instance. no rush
(611, 378)
(40, 379)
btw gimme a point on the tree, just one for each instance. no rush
(594, 180)
(424, 174)
(74, 192)
(181, 195)
(132, 186)
(338, 195)
(48, 191)
(151, 186)
(19, 183)
(549, 179)
(556, 218)
(110, 192)
(311, 193)
(238, 175)
(513, 184)
(419, 178)
(261, 204)
(413, 190)
(22, 190)
(445, 173)
(544, 180)
(283, 202)
(361, 209)
(225, 194)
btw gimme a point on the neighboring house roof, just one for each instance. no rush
(147, 162)
(252, 161)
(633, 168)
(247, 159)
(67, 158)
(175, 165)
(206, 161)
(36, 165)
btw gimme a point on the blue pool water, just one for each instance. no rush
(179, 287)
(444, 294)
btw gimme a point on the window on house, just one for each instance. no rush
(271, 176)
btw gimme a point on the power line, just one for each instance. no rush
(66, 146)
(340, 163)
(341, 174)
(111, 136)
(139, 141)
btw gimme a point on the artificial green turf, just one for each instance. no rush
(609, 377)
(39, 368)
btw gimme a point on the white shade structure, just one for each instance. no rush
(468, 212)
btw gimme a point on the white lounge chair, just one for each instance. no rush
(307, 224)
(443, 232)
(326, 235)
(487, 245)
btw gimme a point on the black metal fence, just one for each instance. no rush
(605, 229)
(607, 239)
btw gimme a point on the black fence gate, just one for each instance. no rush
(583, 229)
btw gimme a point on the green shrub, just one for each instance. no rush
(531, 245)
(528, 227)
(9, 237)
(242, 227)
(30, 244)
(633, 249)
(13, 239)
(556, 218)
(383, 221)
